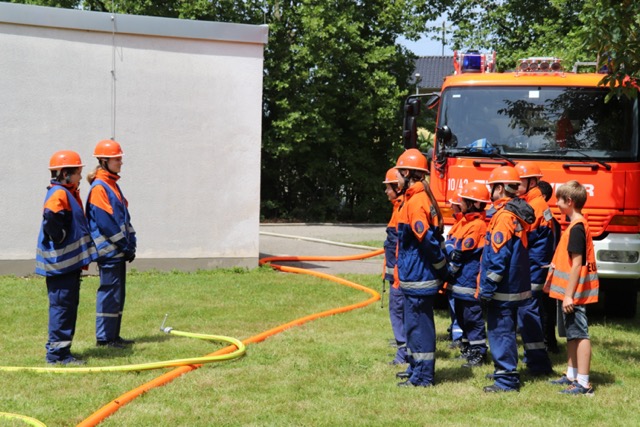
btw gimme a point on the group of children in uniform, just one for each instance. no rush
(496, 262)
(71, 239)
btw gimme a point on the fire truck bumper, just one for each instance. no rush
(618, 256)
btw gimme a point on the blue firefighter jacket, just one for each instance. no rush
(505, 269)
(464, 248)
(421, 261)
(75, 249)
(109, 220)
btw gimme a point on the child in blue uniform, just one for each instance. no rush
(64, 249)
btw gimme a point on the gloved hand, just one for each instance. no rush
(456, 256)
(129, 256)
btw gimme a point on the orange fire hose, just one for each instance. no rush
(113, 406)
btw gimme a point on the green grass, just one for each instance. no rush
(330, 372)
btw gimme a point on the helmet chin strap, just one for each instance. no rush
(493, 190)
(104, 164)
(403, 188)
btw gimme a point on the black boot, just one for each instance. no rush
(475, 359)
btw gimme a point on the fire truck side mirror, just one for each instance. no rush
(410, 133)
(410, 127)
(412, 107)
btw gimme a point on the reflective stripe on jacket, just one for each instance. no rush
(586, 291)
(110, 226)
(421, 261)
(505, 270)
(391, 243)
(540, 239)
(76, 250)
(466, 236)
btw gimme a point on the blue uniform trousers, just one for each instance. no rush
(469, 316)
(421, 338)
(455, 328)
(64, 297)
(530, 324)
(110, 301)
(501, 330)
(396, 315)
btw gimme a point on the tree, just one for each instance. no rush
(574, 30)
(67, 4)
(517, 29)
(612, 30)
(334, 90)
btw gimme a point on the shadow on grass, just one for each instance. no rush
(117, 353)
(453, 374)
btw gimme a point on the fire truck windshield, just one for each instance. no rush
(540, 122)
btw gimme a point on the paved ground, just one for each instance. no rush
(283, 239)
(323, 240)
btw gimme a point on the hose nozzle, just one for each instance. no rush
(162, 327)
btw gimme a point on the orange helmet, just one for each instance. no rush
(108, 148)
(475, 191)
(412, 159)
(456, 200)
(391, 177)
(504, 175)
(528, 170)
(65, 159)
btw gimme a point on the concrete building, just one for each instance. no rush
(184, 98)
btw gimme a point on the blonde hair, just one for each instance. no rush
(575, 191)
(91, 176)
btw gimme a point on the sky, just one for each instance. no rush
(425, 47)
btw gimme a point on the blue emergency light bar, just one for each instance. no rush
(473, 62)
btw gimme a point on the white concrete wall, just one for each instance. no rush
(188, 98)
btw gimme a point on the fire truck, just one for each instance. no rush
(562, 121)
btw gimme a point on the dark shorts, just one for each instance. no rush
(574, 326)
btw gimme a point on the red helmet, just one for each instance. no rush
(391, 177)
(504, 175)
(528, 170)
(475, 191)
(65, 159)
(412, 159)
(107, 148)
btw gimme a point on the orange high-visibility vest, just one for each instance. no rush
(587, 289)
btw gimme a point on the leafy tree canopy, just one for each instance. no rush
(612, 30)
(575, 30)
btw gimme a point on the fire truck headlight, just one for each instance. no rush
(628, 257)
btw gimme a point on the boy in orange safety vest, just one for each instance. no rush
(573, 279)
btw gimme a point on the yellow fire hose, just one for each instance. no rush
(28, 420)
(240, 351)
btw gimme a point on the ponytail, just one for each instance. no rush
(91, 176)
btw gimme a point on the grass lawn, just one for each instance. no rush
(330, 372)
